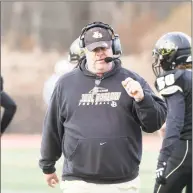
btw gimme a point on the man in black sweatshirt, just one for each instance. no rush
(95, 118)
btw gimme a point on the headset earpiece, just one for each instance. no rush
(81, 43)
(116, 45)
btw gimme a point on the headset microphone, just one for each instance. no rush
(110, 59)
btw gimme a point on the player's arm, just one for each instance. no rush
(174, 123)
(10, 108)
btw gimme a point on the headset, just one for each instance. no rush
(116, 44)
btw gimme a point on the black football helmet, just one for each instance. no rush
(75, 52)
(171, 50)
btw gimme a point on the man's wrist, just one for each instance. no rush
(49, 170)
(140, 99)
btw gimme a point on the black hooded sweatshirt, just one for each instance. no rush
(98, 126)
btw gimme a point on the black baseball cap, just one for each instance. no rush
(97, 37)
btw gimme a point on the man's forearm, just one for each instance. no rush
(151, 113)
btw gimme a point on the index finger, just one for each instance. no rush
(52, 183)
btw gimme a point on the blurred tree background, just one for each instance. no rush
(35, 35)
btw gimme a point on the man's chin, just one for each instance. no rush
(101, 67)
(101, 62)
(100, 71)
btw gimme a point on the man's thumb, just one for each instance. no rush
(123, 83)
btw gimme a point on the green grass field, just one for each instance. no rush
(20, 172)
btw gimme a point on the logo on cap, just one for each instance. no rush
(97, 34)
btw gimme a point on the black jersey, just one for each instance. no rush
(176, 88)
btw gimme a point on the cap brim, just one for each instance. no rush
(102, 44)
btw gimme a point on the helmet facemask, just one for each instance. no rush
(73, 58)
(164, 58)
(156, 66)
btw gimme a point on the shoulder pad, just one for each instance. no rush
(170, 90)
(165, 85)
